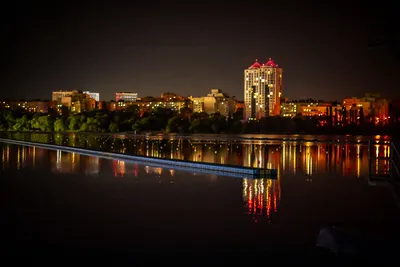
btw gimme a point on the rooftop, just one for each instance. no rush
(255, 65)
(271, 63)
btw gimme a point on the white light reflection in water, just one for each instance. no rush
(58, 160)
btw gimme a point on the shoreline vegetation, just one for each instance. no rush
(167, 121)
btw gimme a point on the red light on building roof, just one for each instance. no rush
(271, 63)
(255, 65)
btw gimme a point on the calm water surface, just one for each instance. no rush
(53, 199)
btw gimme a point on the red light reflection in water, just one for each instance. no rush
(119, 168)
(261, 196)
(136, 170)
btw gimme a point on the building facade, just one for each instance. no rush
(289, 109)
(75, 100)
(36, 106)
(292, 109)
(197, 104)
(94, 95)
(167, 100)
(262, 90)
(58, 95)
(374, 107)
(217, 101)
(126, 96)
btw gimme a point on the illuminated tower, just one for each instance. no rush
(262, 90)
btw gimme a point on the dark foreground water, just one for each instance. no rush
(61, 207)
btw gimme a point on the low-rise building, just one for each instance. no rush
(314, 109)
(289, 109)
(374, 107)
(217, 101)
(126, 96)
(69, 99)
(307, 108)
(197, 103)
(94, 95)
(167, 100)
(29, 105)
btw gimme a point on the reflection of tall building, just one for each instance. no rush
(119, 168)
(261, 196)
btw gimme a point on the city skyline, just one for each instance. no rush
(116, 48)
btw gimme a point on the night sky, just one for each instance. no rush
(326, 51)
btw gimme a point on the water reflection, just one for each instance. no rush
(24, 156)
(5, 157)
(63, 162)
(261, 197)
(308, 158)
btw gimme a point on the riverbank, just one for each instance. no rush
(212, 136)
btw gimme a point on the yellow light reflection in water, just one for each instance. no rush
(23, 156)
(5, 157)
(34, 156)
(377, 159)
(386, 155)
(284, 156)
(58, 160)
(309, 161)
(294, 159)
(19, 158)
(358, 148)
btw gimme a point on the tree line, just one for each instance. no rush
(164, 120)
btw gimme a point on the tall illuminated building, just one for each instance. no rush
(262, 90)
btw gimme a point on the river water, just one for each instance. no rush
(62, 203)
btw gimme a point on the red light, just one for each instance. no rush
(271, 63)
(255, 65)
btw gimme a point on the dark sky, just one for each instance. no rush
(325, 50)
